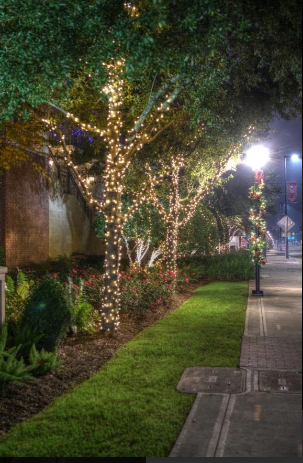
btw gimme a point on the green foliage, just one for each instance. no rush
(25, 337)
(225, 267)
(99, 226)
(258, 241)
(23, 285)
(12, 370)
(201, 235)
(143, 289)
(43, 362)
(82, 311)
(14, 304)
(48, 311)
(145, 224)
(2, 256)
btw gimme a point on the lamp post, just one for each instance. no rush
(295, 158)
(256, 158)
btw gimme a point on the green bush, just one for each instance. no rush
(12, 370)
(14, 303)
(142, 290)
(82, 311)
(224, 267)
(43, 362)
(48, 311)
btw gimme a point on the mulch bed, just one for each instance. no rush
(84, 356)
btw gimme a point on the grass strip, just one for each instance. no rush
(131, 407)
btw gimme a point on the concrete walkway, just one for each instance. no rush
(254, 411)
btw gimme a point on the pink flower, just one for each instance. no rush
(134, 289)
(76, 287)
(129, 278)
(75, 271)
(55, 275)
(152, 306)
(187, 280)
(170, 288)
(124, 288)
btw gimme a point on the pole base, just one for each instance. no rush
(258, 293)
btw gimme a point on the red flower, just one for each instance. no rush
(124, 288)
(129, 278)
(75, 271)
(187, 280)
(152, 306)
(76, 287)
(170, 288)
(55, 275)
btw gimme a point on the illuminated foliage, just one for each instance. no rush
(126, 72)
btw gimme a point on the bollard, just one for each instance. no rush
(3, 271)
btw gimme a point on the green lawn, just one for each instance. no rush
(131, 407)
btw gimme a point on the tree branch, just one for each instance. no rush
(152, 103)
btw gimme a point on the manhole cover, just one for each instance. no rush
(281, 381)
(212, 380)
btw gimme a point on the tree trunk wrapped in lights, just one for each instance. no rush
(183, 201)
(122, 146)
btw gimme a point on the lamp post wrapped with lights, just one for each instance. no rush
(256, 158)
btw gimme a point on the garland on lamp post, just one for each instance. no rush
(257, 213)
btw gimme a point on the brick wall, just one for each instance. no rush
(26, 216)
(2, 210)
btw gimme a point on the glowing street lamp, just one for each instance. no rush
(257, 157)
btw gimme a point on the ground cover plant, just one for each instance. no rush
(131, 407)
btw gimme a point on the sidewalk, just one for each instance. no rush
(254, 411)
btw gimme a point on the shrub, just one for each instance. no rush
(82, 311)
(48, 310)
(14, 304)
(142, 290)
(12, 370)
(231, 267)
(43, 362)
